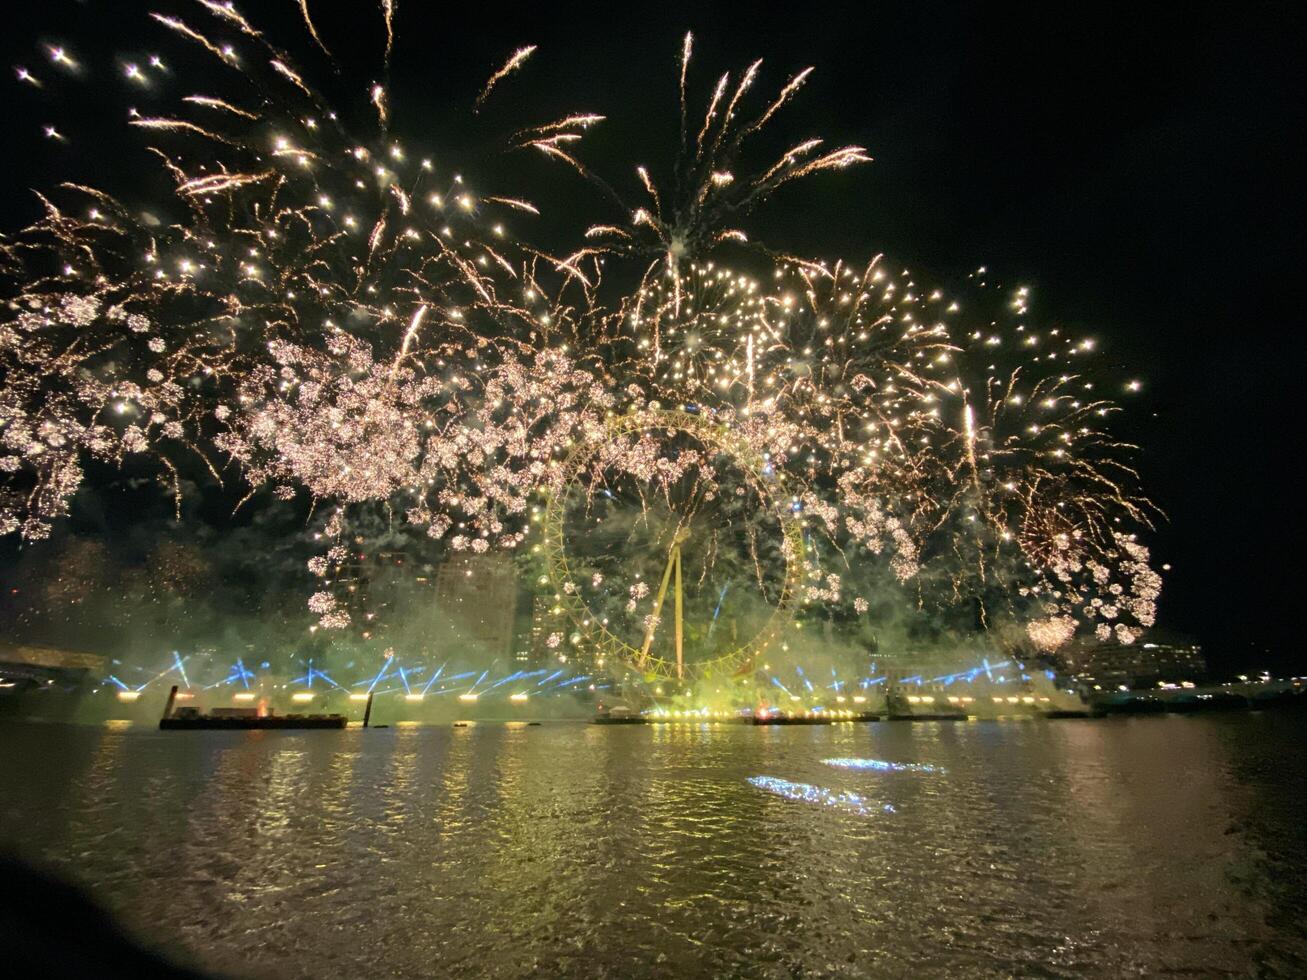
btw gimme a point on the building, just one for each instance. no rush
(355, 587)
(27, 666)
(535, 650)
(549, 620)
(1157, 659)
(478, 595)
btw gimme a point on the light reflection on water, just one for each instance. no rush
(807, 793)
(1066, 848)
(881, 765)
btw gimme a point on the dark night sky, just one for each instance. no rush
(1133, 166)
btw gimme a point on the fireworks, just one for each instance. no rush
(337, 318)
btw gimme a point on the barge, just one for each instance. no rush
(901, 707)
(618, 715)
(239, 719)
(813, 718)
(184, 721)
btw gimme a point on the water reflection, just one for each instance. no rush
(1063, 849)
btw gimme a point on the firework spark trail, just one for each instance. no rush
(515, 61)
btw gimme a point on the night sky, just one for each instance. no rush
(1132, 166)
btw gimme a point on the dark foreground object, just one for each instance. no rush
(52, 929)
(271, 721)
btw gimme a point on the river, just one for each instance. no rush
(1069, 848)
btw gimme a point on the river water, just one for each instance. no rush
(1065, 848)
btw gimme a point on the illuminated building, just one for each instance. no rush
(530, 650)
(1158, 658)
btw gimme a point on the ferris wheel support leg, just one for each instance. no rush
(658, 609)
(680, 656)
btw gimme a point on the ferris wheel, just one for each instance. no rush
(685, 570)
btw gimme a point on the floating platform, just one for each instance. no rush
(816, 718)
(277, 722)
(689, 718)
